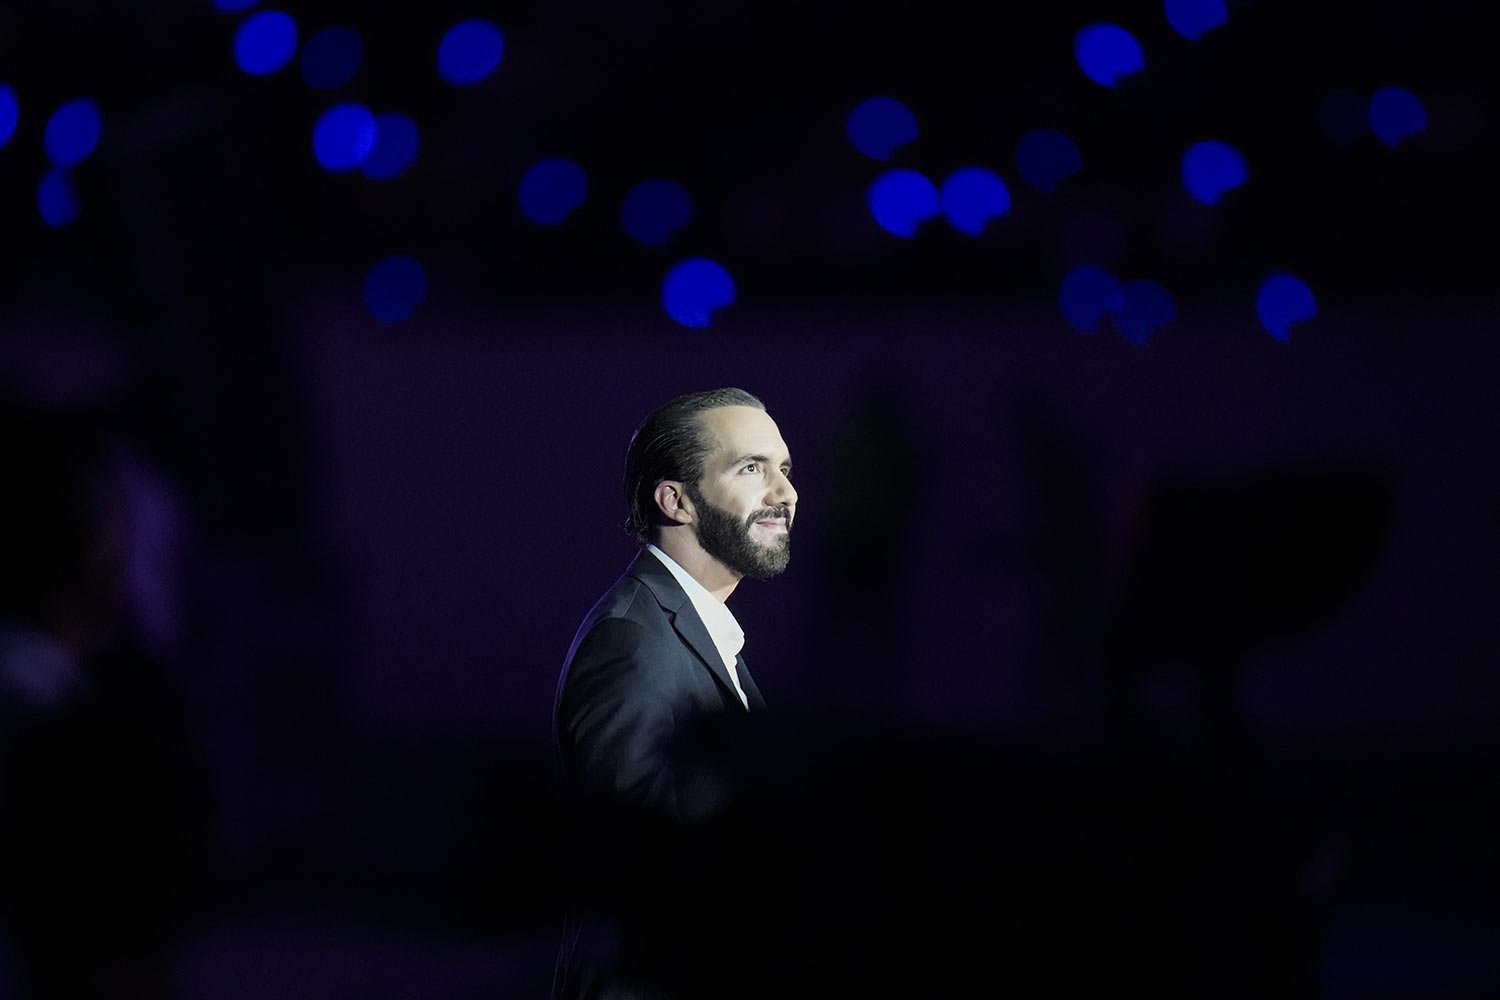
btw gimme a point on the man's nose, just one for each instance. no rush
(782, 491)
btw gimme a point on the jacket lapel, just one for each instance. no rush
(752, 693)
(684, 617)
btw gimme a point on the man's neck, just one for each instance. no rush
(682, 545)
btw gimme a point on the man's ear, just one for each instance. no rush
(672, 500)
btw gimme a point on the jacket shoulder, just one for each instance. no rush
(628, 600)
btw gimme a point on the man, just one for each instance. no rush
(709, 495)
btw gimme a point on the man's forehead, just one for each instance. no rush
(743, 429)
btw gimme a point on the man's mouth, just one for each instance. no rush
(777, 520)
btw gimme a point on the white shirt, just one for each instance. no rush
(726, 633)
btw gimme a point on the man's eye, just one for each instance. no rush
(751, 467)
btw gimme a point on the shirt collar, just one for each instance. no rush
(722, 627)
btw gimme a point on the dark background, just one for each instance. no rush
(362, 549)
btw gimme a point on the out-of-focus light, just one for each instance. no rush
(331, 58)
(56, 199)
(394, 287)
(1396, 114)
(344, 136)
(470, 51)
(235, 5)
(1342, 114)
(693, 289)
(1191, 18)
(72, 132)
(880, 126)
(1045, 157)
(396, 143)
(265, 42)
(1107, 54)
(1282, 302)
(654, 210)
(972, 196)
(1144, 306)
(1209, 169)
(10, 113)
(551, 189)
(901, 200)
(1088, 294)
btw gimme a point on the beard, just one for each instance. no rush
(728, 539)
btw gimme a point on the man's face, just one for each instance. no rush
(745, 503)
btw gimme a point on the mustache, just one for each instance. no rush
(785, 513)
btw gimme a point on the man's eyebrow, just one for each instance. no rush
(762, 459)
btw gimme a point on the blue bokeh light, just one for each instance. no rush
(56, 199)
(233, 6)
(1396, 114)
(396, 142)
(265, 42)
(1107, 53)
(10, 113)
(693, 289)
(654, 210)
(1283, 301)
(551, 189)
(1144, 306)
(880, 126)
(394, 287)
(72, 132)
(344, 136)
(1210, 169)
(1046, 157)
(1089, 294)
(470, 51)
(972, 196)
(331, 58)
(901, 200)
(1192, 18)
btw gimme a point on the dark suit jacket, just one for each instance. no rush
(641, 669)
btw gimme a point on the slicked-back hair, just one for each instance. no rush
(671, 443)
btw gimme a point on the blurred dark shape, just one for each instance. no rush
(1215, 573)
(852, 859)
(1222, 571)
(101, 814)
(1063, 548)
(1219, 572)
(860, 635)
(449, 837)
(64, 530)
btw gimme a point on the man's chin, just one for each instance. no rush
(748, 550)
(775, 559)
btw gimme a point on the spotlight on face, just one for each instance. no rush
(745, 503)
